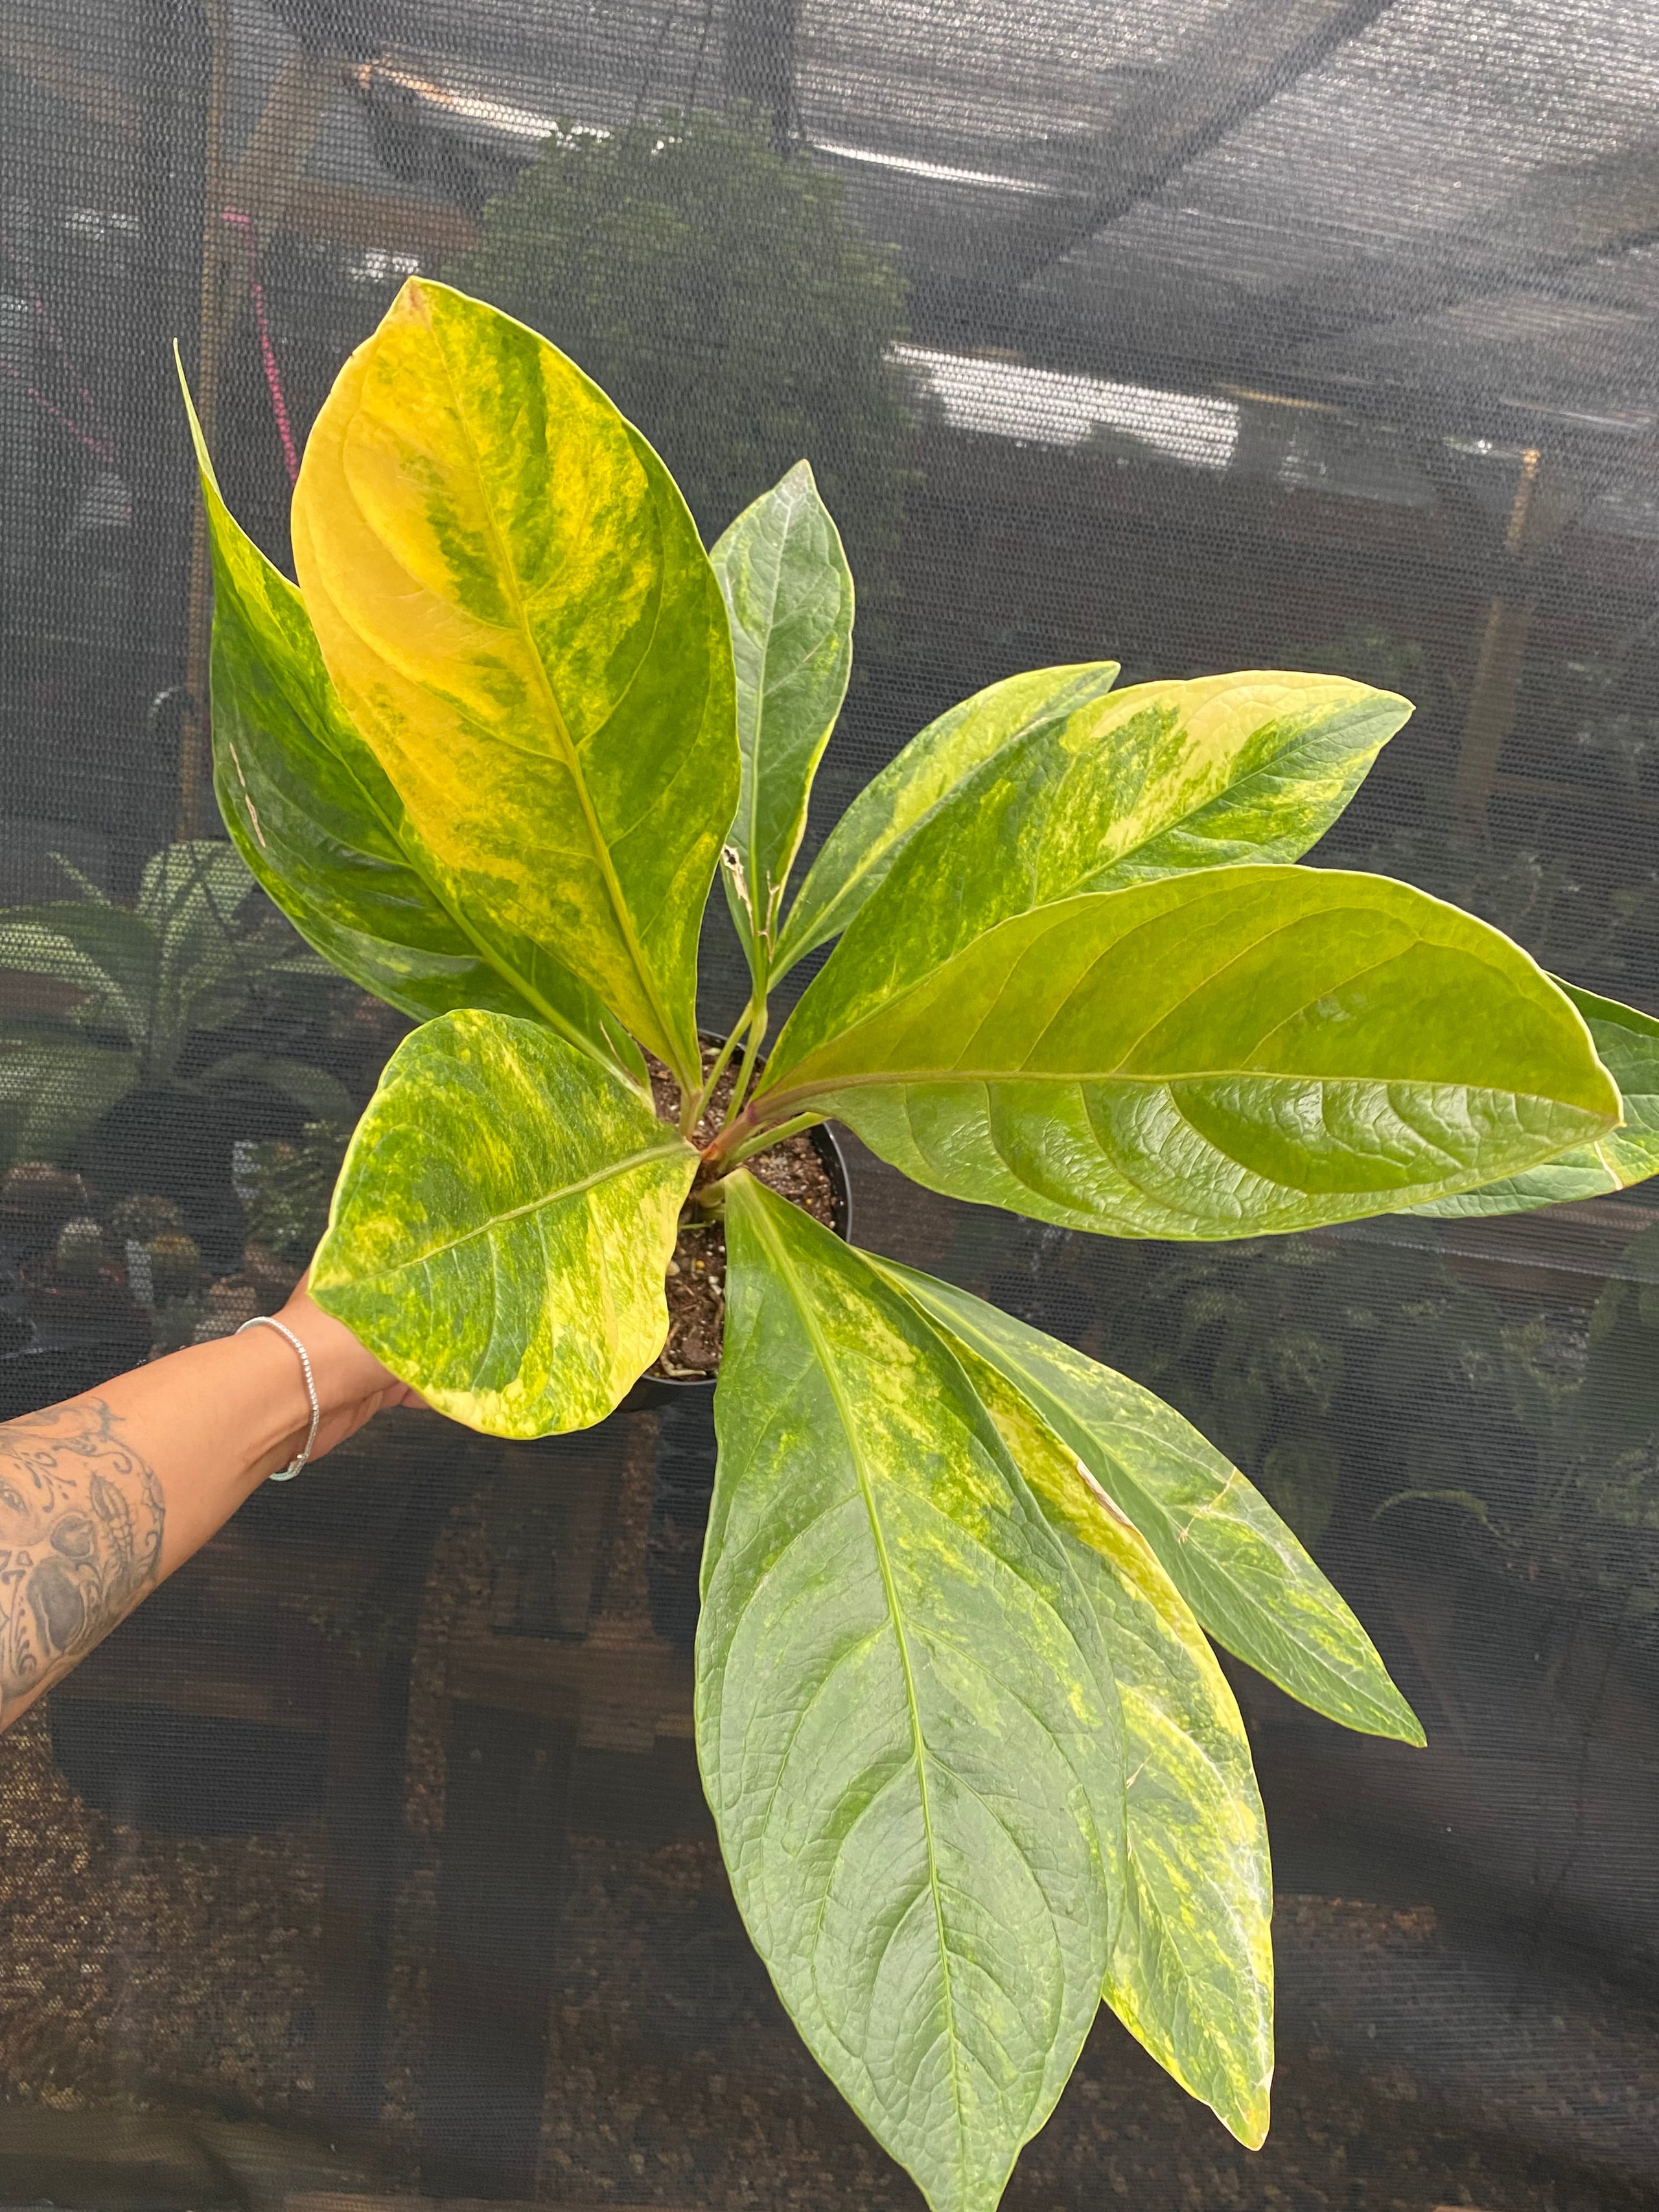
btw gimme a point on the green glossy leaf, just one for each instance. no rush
(1238, 1566)
(1219, 1053)
(906, 1723)
(182, 960)
(1192, 1966)
(215, 939)
(1127, 788)
(502, 1225)
(888, 812)
(789, 593)
(316, 818)
(53, 1089)
(515, 609)
(1628, 1043)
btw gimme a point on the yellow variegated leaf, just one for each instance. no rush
(1228, 1052)
(1191, 1972)
(515, 607)
(861, 850)
(1083, 792)
(502, 1227)
(1248, 1580)
(314, 816)
(906, 1721)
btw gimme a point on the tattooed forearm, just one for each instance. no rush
(80, 1517)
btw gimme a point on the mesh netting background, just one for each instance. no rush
(369, 1859)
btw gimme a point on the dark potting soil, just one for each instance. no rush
(696, 1273)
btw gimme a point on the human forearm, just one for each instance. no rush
(103, 1496)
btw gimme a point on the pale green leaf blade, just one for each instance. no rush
(502, 1227)
(515, 608)
(192, 892)
(105, 951)
(1627, 1041)
(1192, 1968)
(52, 1090)
(194, 897)
(887, 813)
(907, 1725)
(1233, 1559)
(1225, 1053)
(316, 818)
(788, 591)
(1222, 771)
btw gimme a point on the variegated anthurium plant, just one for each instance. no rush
(973, 1761)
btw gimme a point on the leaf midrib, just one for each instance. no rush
(752, 825)
(397, 835)
(901, 1079)
(789, 1276)
(674, 1150)
(621, 912)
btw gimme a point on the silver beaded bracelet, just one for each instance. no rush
(269, 1320)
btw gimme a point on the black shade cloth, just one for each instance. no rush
(368, 1859)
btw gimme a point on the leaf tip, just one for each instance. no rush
(1388, 700)
(1393, 710)
(1250, 2124)
(197, 438)
(413, 296)
(1396, 1723)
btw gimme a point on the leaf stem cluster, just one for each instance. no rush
(750, 1032)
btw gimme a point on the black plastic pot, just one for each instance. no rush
(683, 1482)
(662, 1391)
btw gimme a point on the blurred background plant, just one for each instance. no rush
(286, 1184)
(141, 998)
(1606, 727)
(721, 293)
(1371, 653)
(178, 1077)
(1527, 868)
